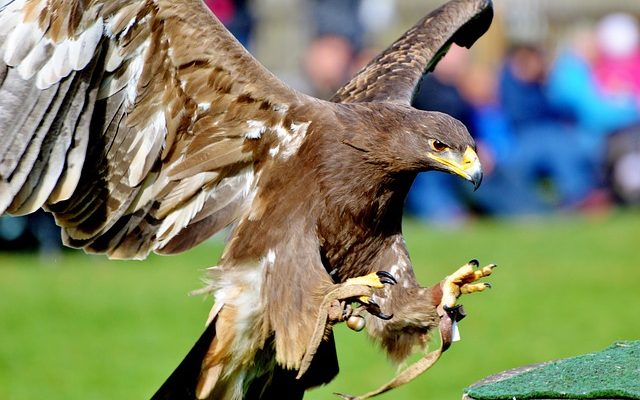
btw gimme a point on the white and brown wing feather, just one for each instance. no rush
(138, 124)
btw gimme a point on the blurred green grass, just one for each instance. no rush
(76, 326)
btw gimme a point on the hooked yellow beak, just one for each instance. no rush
(468, 166)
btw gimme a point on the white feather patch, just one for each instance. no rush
(56, 68)
(130, 24)
(274, 151)
(60, 59)
(241, 289)
(151, 186)
(71, 173)
(20, 42)
(148, 143)
(113, 58)
(256, 129)
(35, 60)
(184, 190)
(10, 16)
(113, 83)
(48, 181)
(179, 219)
(5, 3)
(291, 139)
(137, 64)
(192, 196)
(82, 49)
(118, 18)
(401, 267)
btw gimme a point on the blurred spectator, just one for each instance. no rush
(338, 47)
(623, 165)
(617, 72)
(439, 91)
(236, 16)
(337, 38)
(327, 63)
(33, 231)
(535, 158)
(550, 152)
(338, 18)
(503, 191)
(573, 87)
(617, 67)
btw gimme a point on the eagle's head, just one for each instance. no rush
(443, 143)
(411, 140)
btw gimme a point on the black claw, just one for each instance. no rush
(386, 277)
(374, 309)
(384, 316)
(488, 285)
(474, 263)
(372, 305)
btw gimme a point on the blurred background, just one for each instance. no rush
(552, 95)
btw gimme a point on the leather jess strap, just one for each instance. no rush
(448, 316)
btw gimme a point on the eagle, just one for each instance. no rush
(144, 126)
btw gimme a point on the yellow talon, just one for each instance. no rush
(474, 287)
(375, 280)
(462, 274)
(461, 282)
(484, 271)
(372, 280)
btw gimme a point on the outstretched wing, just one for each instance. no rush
(394, 75)
(138, 124)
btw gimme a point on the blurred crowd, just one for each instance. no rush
(557, 129)
(557, 126)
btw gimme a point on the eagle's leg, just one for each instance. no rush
(336, 307)
(375, 280)
(462, 282)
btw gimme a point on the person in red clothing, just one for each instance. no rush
(617, 65)
(236, 16)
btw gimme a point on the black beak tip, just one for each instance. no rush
(477, 181)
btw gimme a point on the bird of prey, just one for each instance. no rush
(143, 125)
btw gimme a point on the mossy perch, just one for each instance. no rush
(613, 373)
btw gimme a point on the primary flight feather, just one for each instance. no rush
(143, 125)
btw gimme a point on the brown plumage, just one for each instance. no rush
(144, 126)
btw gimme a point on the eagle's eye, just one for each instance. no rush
(438, 146)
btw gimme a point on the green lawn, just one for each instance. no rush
(83, 327)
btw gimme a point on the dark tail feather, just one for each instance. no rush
(283, 383)
(181, 385)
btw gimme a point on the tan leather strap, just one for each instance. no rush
(447, 318)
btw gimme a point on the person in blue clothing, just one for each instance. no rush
(574, 89)
(551, 152)
(503, 192)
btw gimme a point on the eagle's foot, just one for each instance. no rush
(463, 282)
(345, 303)
(375, 280)
(347, 295)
